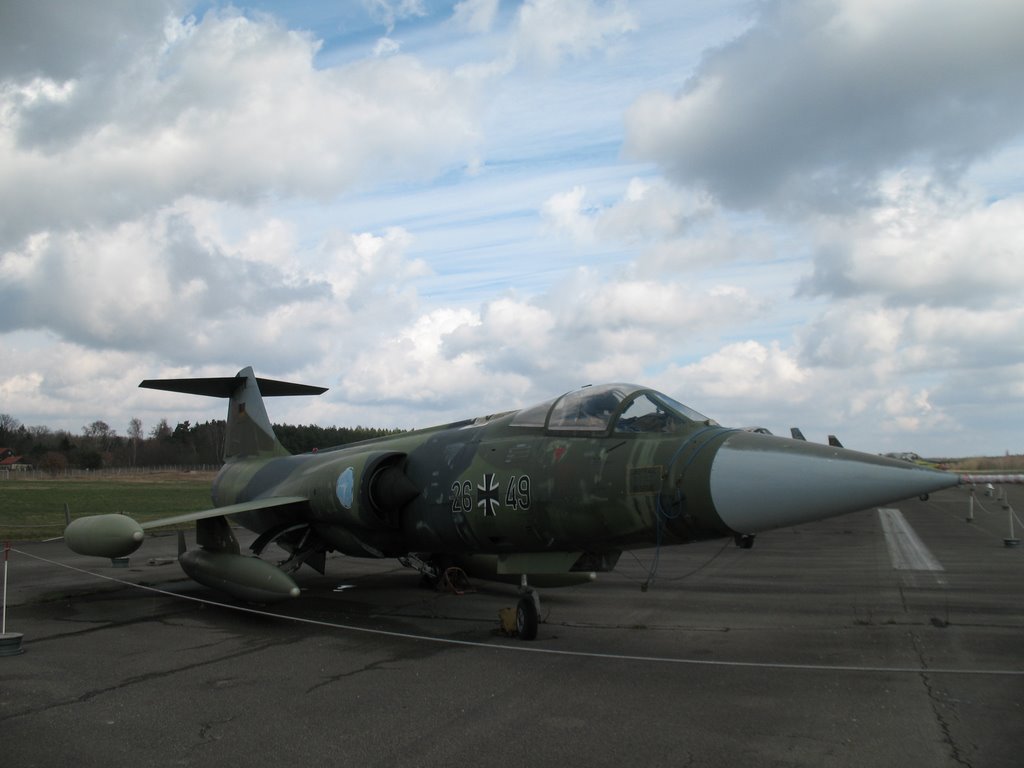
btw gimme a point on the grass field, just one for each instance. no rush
(31, 510)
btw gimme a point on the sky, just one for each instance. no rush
(805, 212)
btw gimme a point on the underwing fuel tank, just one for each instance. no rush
(247, 578)
(110, 535)
(759, 483)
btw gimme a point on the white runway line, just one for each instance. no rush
(906, 550)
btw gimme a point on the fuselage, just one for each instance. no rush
(608, 469)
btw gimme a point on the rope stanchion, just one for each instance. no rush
(10, 642)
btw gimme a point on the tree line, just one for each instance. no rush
(101, 447)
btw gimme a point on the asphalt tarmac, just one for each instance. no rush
(849, 642)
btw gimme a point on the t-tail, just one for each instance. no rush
(249, 432)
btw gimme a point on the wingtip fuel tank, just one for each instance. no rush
(111, 535)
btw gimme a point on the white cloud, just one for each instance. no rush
(386, 46)
(476, 16)
(564, 213)
(550, 31)
(57, 40)
(853, 336)
(647, 211)
(232, 109)
(746, 370)
(923, 245)
(517, 350)
(412, 367)
(817, 99)
(388, 12)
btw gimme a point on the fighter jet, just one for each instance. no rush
(546, 494)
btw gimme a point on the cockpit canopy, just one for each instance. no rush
(622, 408)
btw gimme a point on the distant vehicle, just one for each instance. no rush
(912, 458)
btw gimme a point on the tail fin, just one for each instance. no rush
(249, 432)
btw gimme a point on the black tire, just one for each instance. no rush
(526, 619)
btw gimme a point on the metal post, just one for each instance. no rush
(3, 624)
(10, 643)
(1013, 541)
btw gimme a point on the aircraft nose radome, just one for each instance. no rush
(758, 482)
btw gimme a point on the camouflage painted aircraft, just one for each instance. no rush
(546, 494)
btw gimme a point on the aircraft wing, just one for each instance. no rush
(117, 535)
(231, 509)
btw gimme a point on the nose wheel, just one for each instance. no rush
(527, 612)
(526, 619)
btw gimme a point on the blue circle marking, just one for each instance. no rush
(346, 487)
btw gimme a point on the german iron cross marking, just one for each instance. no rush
(487, 495)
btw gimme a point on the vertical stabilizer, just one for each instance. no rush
(249, 432)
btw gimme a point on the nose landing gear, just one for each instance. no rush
(527, 611)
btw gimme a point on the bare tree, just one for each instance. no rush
(161, 431)
(100, 432)
(135, 436)
(8, 426)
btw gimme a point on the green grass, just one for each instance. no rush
(31, 510)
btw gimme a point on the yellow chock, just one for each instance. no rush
(508, 620)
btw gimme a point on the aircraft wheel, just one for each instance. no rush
(744, 540)
(526, 619)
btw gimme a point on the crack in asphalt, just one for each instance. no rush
(373, 666)
(162, 619)
(934, 700)
(138, 679)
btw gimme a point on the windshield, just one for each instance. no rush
(589, 409)
(594, 408)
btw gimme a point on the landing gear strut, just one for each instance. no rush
(527, 611)
(429, 573)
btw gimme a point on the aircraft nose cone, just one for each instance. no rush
(761, 482)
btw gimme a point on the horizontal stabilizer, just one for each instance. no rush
(249, 431)
(226, 386)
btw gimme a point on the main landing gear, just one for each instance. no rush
(527, 612)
